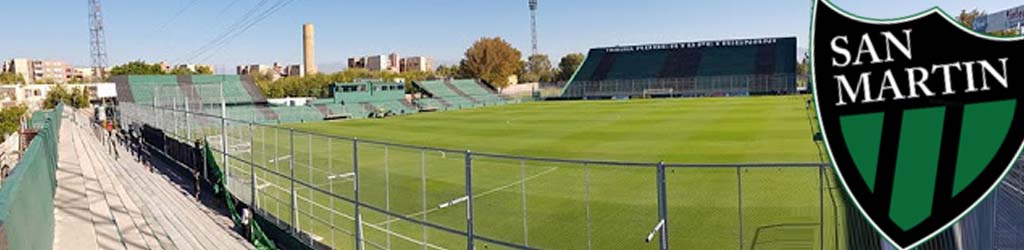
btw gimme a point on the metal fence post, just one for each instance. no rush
(224, 138)
(821, 206)
(291, 166)
(252, 170)
(739, 201)
(355, 184)
(586, 200)
(174, 116)
(188, 126)
(387, 198)
(224, 153)
(330, 184)
(423, 193)
(522, 186)
(663, 207)
(469, 200)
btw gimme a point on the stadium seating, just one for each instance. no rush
(430, 103)
(288, 114)
(235, 90)
(142, 88)
(204, 89)
(458, 94)
(730, 67)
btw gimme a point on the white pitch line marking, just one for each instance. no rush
(453, 202)
(371, 225)
(280, 158)
(549, 170)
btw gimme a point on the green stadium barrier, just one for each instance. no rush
(26, 198)
(256, 235)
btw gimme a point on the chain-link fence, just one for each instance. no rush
(355, 193)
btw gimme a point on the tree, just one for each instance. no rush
(181, 71)
(56, 95)
(451, 71)
(204, 70)
(491, 59)
(46, 80)
(1006, 33)
(803, 70)
(538, 68)
(568, 65)
(79, 98)
(137, 68)
(967, 17)
(10, 119)
(11, 78)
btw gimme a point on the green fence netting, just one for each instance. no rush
(256, 235)
(26, 198)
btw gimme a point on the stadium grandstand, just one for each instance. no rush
(241, 97)
(243, 100)
(450, 94)
(366, 99)
(762, 66)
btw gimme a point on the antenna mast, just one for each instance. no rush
(533, 24)
(97, 41)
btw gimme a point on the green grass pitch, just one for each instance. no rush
(780, 205)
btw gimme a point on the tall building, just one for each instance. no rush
(392, 62)
(83, 74)
(19, 66)
(308, 51)
(417, 64)
(253, 69)
(40, 70)
(294, 70)
(376, 63)
(357, 62)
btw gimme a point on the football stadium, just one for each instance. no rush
(444, 125)
(733, 166)
(691, 145)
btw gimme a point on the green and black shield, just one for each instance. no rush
(921, 116)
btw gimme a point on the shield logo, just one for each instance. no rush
(921, 116)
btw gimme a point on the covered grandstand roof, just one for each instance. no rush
(690, 59)
(741, 67)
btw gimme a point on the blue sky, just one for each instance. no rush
(443, 29)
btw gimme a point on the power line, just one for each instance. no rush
(227, 30)
(226, 8)
(176, 15)
(250, 19)
(260, 18)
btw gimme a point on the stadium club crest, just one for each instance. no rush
(922, 117)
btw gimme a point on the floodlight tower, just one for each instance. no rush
(97, 41)
(533, 24)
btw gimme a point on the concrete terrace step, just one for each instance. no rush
(448, 83)
(135, 234)
(73, 216)
(118, 203)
